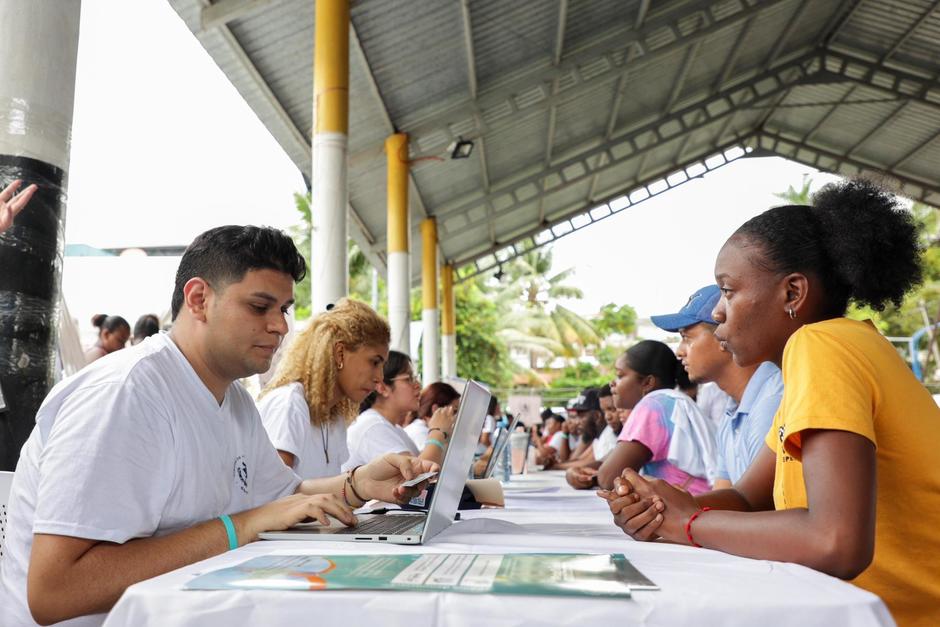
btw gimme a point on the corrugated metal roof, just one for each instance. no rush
(621, 112)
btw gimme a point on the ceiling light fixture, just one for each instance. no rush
(462, 148)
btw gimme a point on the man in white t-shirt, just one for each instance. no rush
(154, 457)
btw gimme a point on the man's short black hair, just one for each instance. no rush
(223, 255)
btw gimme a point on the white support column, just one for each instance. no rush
(328, 259)
(448, 323)
(399, 266)
(38, 54)
(399, 301)
(430, 341)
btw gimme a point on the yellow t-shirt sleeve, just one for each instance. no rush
(827, 385)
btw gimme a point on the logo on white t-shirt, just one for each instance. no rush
(240, 472)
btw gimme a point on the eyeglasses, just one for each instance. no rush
(410, 379)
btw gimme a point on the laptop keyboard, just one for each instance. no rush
(387, 525)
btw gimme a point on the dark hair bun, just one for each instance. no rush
(98, 320)
(855, 238)
(870, 240)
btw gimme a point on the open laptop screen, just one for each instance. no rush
(463, 442)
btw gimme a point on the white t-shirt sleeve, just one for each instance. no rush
(489, 424)
(556, 440)
(285, 416)
(107, 468)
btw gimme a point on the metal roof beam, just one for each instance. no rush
(839, 19)
(560, 33)
(824, 159)
(856, 69)
(825, 118)
(613, 159)
(611, 126)
(883, 125)
(641, 14)
(785, 35)
(468, 48)
(775, 53)
(356, 50)
(907, 35)
(583, 215)
(225, 11)
(915, 150)
(524, 92)
(732, 58)
(632, 142)
(683, 74)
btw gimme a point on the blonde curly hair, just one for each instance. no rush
(309, 359)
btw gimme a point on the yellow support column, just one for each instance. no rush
(429, 315)
(448, 323)
(399, 273)
(328, 264)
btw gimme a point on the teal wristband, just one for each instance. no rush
(436, 443)
(229, 531)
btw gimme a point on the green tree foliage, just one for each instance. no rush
(481, 354)
(534, 322)
(581, 375)
(301, 235)
(614, 320)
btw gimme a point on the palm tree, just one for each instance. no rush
(797, 197)
(534, 322)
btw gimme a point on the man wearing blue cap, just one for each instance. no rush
(755, 391)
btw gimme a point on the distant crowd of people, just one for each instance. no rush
(779, 429)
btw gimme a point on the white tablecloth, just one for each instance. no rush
(698, 586)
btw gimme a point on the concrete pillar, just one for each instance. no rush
(430, 342)
(399, 271)
(328, 259)
(38, 51)
(448, 323)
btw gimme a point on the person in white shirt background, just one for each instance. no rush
(378, 428)
(329, 368)
(432, 398)
(154, 457)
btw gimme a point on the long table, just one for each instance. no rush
(542, 514)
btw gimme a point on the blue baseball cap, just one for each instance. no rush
(698, 309)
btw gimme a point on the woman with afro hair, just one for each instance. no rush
(848, 482)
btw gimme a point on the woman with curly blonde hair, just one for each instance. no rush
(330, 367)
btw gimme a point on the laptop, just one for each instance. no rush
(409, 527)
(502, 441)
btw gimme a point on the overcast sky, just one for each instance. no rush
(163, 147)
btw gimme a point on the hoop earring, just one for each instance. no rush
(339, 366)
(791, 313)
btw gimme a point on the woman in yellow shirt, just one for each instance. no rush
(848, 483)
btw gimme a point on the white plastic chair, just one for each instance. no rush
(6, 482)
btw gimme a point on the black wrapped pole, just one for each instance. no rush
(38, 50)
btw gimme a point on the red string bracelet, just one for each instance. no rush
(688, 526)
